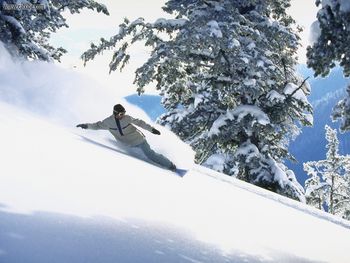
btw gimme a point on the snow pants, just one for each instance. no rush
(153, 156)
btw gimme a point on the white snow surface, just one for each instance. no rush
(66, 199)
(239, 112)
(250, 82)
(291, 88)
(214, 29)
(170, 22)
(315, 32)
(254, 111)
(71, 195)
(274, 96)
(234, 43)
(216, 161)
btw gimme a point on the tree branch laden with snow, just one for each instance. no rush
(26, 26)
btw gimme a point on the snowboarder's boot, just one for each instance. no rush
(172, 167)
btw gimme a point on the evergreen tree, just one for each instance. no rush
(328, 187)
(346, 213)
(313, 194)
(331, 46)
(342, 112)
(225, 70)
(25, 26)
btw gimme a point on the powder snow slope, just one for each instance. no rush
(64, 199)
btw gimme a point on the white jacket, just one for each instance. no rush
(126, 132)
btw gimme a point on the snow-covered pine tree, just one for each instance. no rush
(313, 187)
(342, 112)
(346, 213)
(225, 70)
(331, 46)
(328, 187)
(25, 26)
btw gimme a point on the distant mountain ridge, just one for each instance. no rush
(310, 144)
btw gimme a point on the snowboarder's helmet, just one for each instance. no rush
(118, 108)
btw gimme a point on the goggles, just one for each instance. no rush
(119, 113)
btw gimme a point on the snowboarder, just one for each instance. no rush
(122, 128)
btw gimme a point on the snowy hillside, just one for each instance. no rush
(66, 199)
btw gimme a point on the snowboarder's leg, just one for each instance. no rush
(155, 157)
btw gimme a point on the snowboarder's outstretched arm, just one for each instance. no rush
(100, 125)
(144, 125)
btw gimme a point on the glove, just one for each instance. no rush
(83, 126)
(155, 131)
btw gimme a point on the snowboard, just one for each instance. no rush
(180, 172)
